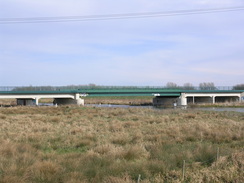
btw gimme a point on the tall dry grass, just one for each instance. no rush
(8, 102)
(88, 144)
(135, 100)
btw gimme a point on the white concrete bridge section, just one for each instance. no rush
(198, 97)
(209, 97)
(33, 99)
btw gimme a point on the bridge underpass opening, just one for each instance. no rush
(26, 102)
(212, 100)
(227, 99)
(168, 101)
(198, 100)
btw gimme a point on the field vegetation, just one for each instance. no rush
(69, 144)
(125, 100)
(223, 104)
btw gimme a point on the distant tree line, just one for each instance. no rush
(238, 87)
(53, 88)
(202, 86)
(34, 88)
(207, 86)
(169, 85)
(189, 86)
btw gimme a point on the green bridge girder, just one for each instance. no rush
(104, 92)
(131, 92)
(123, 92)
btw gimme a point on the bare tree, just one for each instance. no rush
(171, 85)
(207, 86)
(188, 86)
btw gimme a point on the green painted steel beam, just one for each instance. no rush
(212, 91)
(129, 91)
(39, 92)
(123, 92)
(131, 94)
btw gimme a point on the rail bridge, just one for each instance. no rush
(161, 96)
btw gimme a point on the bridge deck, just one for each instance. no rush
(165, 95)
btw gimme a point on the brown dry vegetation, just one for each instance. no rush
(225, 104)
(87, 144)
(7, 102)
(135, 100)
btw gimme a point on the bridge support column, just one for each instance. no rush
(242, 97)
(183, 100)
(213, 97)
(79, 101)
(36, 101)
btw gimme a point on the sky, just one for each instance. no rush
(151, 51)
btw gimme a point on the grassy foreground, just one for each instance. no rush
(85, 144)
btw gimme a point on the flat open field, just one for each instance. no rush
(86, 144)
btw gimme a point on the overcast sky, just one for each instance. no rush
(137, 51)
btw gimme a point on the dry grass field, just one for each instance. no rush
(135, 100)
(72, 144)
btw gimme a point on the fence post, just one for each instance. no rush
(139, 178)
(183, 169)
(217, 157)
